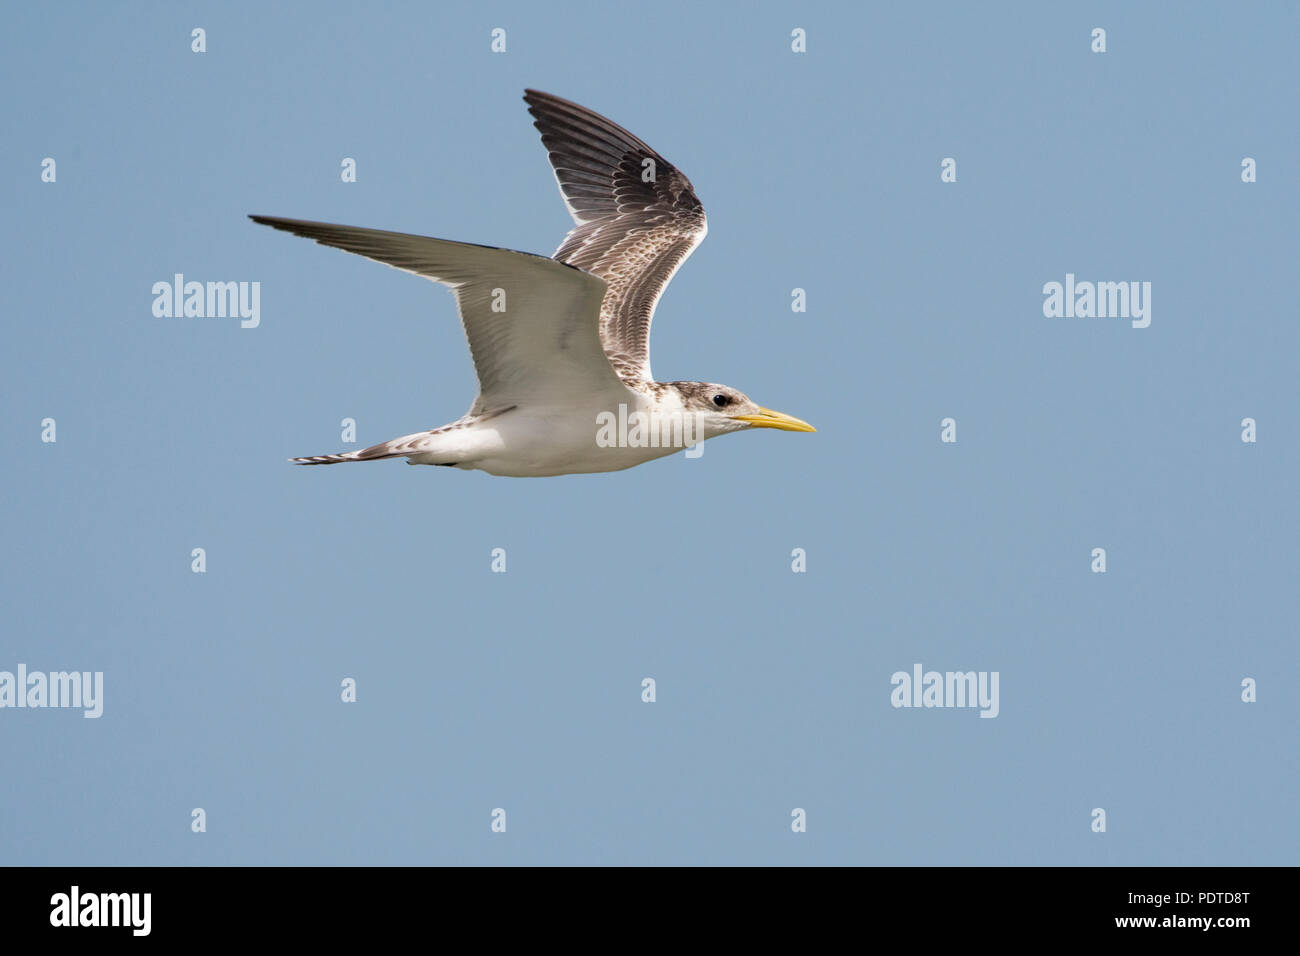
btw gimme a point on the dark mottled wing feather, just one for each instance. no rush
(633, 229)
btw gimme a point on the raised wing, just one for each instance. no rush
(532, 322)
(638, 219)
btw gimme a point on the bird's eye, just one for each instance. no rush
(721, 401)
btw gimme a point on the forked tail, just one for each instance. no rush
(421, 443)
(374, 453)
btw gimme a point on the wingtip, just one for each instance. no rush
(536, 97)
(279, 222)
(533, 97)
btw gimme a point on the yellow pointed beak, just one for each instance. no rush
(766, 418)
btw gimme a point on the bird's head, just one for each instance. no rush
(722, 409)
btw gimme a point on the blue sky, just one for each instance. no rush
(522, 690)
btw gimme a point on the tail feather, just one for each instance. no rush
(396, 448)
(333, 459)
